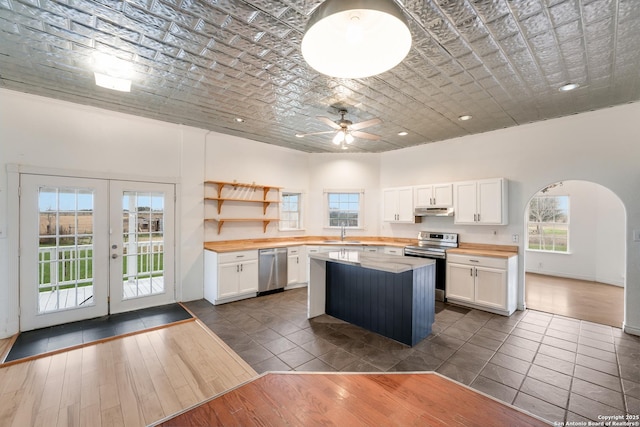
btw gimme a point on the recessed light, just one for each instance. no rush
(299, 135)
(239, 120)
(568, 87)
(113, 83)
(465, 117)
(403, 133)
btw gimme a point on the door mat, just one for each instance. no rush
(55, 338)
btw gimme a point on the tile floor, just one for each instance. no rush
(54, 338)
(558, 368)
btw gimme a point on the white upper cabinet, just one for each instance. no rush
(398, 204)
(433, 196)
(481, 202)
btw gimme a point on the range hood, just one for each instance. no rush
(433, 212)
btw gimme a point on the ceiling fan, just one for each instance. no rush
(345, 130)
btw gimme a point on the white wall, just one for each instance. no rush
(600, 146)
(596, 238)
(344, 172)
(228, 158)
(39, 133)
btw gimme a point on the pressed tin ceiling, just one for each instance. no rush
(206, 63)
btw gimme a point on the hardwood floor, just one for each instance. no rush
(424, 399)
(132, 381)
(579, 299)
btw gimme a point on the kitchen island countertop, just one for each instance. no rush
(374, 261)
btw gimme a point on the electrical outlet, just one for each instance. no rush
(515, 238)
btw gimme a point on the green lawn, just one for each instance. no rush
(80, 267)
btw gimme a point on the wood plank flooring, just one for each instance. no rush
(132, 381)
(579, 299)
(424, 399)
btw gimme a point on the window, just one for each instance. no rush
(344, 209)
(291, 211)
(548, 227)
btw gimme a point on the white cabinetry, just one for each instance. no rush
(481, 202)
(433, 196)
(230, 276)
(393, 250)
(398, 205)
(486, 283)
(296, 267)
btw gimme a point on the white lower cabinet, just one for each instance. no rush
(486, 283)
(393, 250)
(296, 267)
(230, 276)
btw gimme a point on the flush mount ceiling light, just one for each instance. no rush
(356, 38)
(465, 117)
(568, 87)
(111, 72)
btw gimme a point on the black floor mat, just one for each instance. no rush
(54, 338)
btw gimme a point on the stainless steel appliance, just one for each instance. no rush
(434, 245)
(272, 270)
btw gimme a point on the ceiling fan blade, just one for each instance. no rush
(365, 124)
(302, 135)
(329, 122)
(365, 135)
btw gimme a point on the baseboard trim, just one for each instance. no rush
(630, 330)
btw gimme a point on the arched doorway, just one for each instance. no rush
(574, 252)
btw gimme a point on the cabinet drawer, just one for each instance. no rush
(481, 261)
(237, 256)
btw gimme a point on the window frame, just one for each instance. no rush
(360, 213)
(554, 223)
(300, 210)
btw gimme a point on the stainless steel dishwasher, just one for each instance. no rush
(272, 267)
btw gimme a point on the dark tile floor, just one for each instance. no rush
(54, 338)
(558, 368)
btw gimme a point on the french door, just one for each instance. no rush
(90, 247)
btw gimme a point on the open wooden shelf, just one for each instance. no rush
(220, 201)
(221, 221)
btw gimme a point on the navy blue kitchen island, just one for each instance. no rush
(390, 295)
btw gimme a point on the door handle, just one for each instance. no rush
(114, 246)
(114, 256)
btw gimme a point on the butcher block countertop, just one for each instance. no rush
(480, 249)
(280, 242)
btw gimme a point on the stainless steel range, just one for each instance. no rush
(434, 245)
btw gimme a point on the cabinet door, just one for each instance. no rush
(228, 279)
(443, 195)
(423, 196)
(465, 202)
(293, 269)
(489, 201)
(491, 287)
(390, 205)
(248, 278)
(405, 205)
(460, 282)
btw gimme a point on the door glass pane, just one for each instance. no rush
(143, 244)
(65, 249)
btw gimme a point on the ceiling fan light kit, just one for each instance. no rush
(356, 38)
